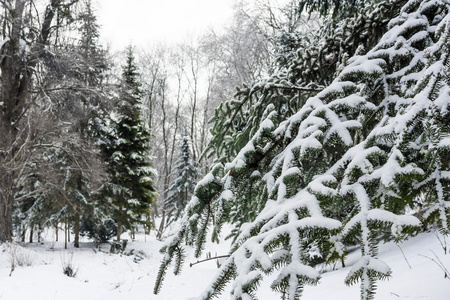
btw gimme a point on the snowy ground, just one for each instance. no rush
(111, 276)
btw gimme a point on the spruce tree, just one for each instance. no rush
(182, 187)
(92, 55)
(345, 169)
(126, 146)
(304, 64)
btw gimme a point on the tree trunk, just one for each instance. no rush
(165, 130)
(31, 234)
(193, 114)
(161, 225)
(56, 231)
(39, 232)
(12, 101)
(6, 229)
(153, 222)
(77, 230)
(119, 229)
(65, 233)
(119, 218)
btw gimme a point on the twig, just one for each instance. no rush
(207, 259)
(443, 243)
(403, 253)
(295, 88)
(439, 263)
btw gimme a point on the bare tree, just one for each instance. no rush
(162, 83)
(25, 38)
(191, 67)
(240, 52)
(49, 95)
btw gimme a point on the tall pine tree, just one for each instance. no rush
(126, 145)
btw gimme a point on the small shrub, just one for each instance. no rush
(118, 247)
(97, 229)
(21, 257)
(68, 266)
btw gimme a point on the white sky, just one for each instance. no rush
(141, 22)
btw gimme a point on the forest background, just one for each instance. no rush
(180, 86)
(311, 127)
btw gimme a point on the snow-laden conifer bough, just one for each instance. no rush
(348, 168)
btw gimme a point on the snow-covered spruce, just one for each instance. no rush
(130, 189)
(346, 169)
(182, 187)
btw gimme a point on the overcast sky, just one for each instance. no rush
(142, 21)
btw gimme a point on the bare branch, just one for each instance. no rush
(208, 259)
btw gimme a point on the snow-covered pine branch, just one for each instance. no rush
(347, 169)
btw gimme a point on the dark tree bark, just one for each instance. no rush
(17, 67)
(76, 230)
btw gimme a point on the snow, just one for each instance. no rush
(207, 179)
(386, 216)
(353, 101)
(226, 194)
(362, 65)
(102, 275)
(239, 161)
(296, 268)
(3, 42)
(369, 263)
(445, 142)
(266, 124)
(145, 179)
(318, 186)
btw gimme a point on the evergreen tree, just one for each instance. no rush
(304, 63)
(126, 148)
(346, 167)
(91, 66)
(182, 187)
(92, 56)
